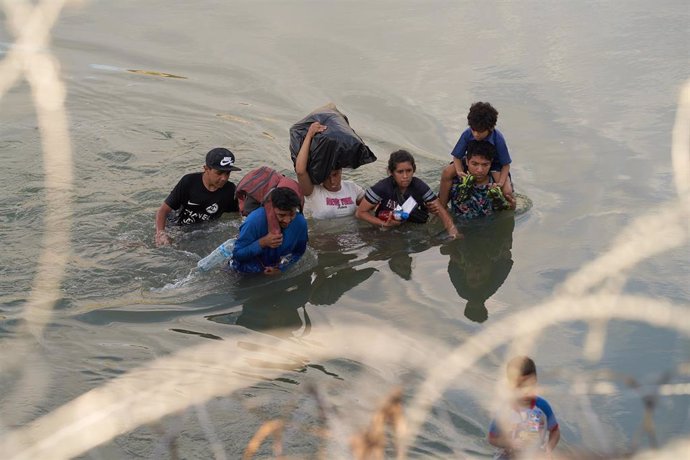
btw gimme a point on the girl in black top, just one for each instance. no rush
(394, 190)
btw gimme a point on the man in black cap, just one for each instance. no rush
(199, 197)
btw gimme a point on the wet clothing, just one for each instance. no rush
(255, 188)
(386, 195)
(495, 138)
(531, 425)
(324, 204)
(249, 257)
(477, 203)
(195, 203)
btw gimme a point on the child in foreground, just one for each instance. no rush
(481, 119)
(529, 427)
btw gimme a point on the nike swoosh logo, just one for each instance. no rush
(226, 161)
(192, 204)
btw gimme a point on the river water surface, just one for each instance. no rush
(587, 94)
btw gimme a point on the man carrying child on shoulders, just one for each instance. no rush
(482, 119)
(477, 194)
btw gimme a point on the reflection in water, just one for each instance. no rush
(397, 246)
(333, 276)
(277, 311)
(480, 263)
(268, 311)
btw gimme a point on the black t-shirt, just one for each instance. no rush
(195, 203)
(385, 194)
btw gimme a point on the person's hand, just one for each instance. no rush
(272, 271)
(454, 233)
(272, 240)
(461, 173)
(390, 222)
(434, 207)
(162, 239)
(315, 128)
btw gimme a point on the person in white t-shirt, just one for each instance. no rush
(332, 198)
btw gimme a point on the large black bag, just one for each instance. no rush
(337, 147)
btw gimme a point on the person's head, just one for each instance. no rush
(482, 119)
(522, 377)
(479, 156)
(333, 182)
(219, 163)
(402, 167)
(285, 205)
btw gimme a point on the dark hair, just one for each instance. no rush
(400, 156)
(482, 116)
(520, 366)
(481, 148)
(285, 199)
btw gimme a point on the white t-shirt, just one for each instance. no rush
(324, 204)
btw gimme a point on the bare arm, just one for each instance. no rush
(554, 437)
(459, 168)
(504, 183)
(363, 212)
(302, 159)
(161, 237)
(503, 175)
(435, 207)
(360, 195)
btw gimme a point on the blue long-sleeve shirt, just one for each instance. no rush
(249, 257)
(496, 138)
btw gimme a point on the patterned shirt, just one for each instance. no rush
(477, 203)
(530, 425)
